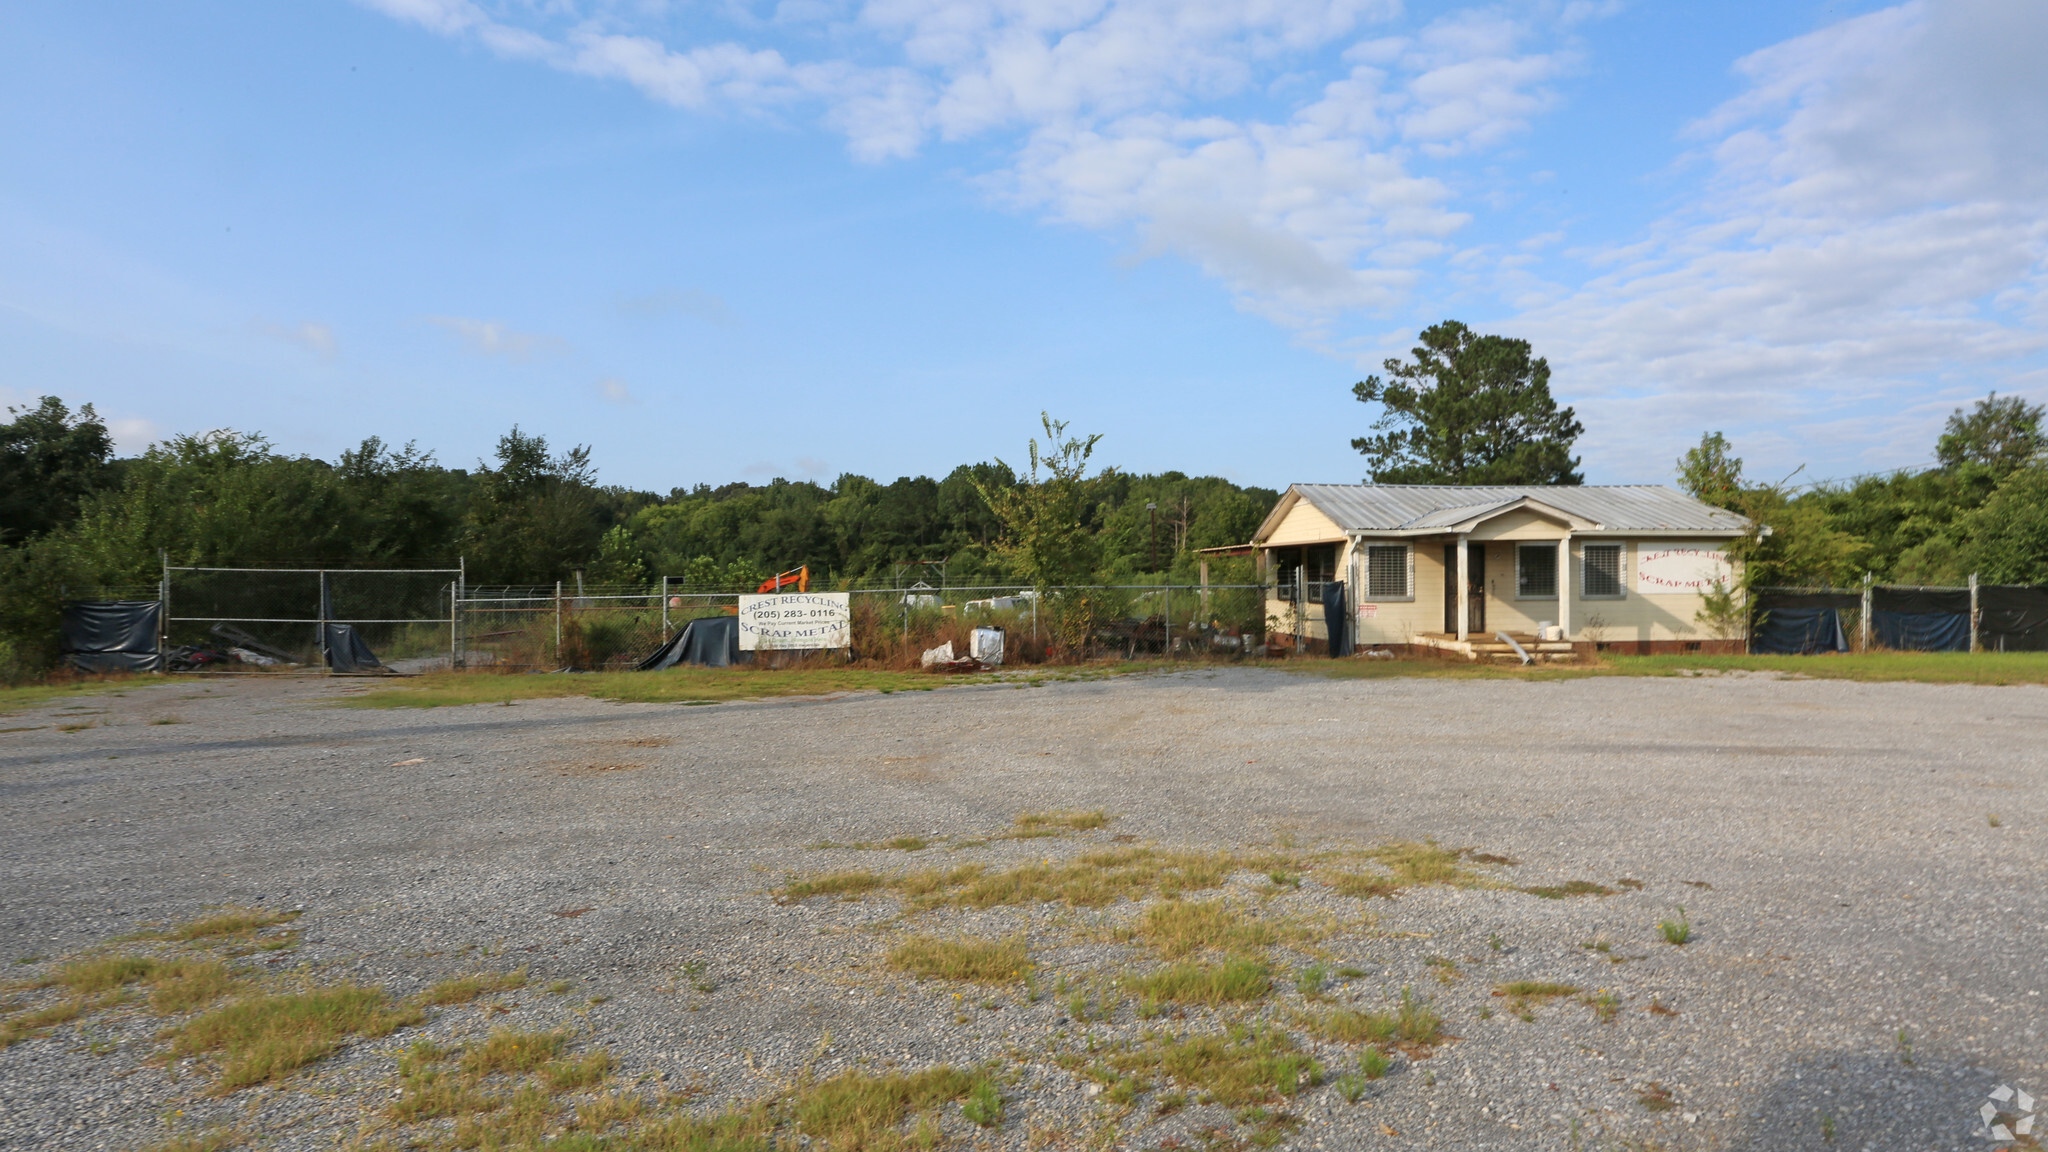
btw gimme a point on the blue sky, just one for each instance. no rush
(764, 238)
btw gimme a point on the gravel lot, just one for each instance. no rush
(1866, 962)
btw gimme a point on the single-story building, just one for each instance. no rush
(1620, 567)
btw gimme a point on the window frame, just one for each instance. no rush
(1620, 571)
(1520, 546)
(1407, 594)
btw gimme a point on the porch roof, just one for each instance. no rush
(1426, 509)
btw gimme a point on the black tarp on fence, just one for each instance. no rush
(713, 641)
(1797, 632)
(1921, 619)
(2013, 617)
(346, 651)
(1335, 619)
(112, 635)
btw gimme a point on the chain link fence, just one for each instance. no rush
(272, 619)
(526, 628)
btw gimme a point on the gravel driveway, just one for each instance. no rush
(1862, 866)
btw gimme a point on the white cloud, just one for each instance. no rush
(1869, 247)
(614, 389)
(1126, 114)
(315, 338)
(133, 434)
(492, 337)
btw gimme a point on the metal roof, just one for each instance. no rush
(1414, 508)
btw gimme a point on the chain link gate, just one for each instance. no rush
(272, 619)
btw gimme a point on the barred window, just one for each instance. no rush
(1536, 571)
(1386, 570)
(1603, 570)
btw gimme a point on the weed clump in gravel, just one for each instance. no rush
(507, 1050)
(1677, 930)
(856, 1110)
(1523, 995)
(981, 961)
(1246, 1066)
(463, 989)
(1176, 928)
(259, 1038)
(237, 922)
(1235, 980)
(1412, 1025)
(1569, 889)
(1054, 823)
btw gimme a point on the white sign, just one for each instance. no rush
(795, 621)
(1368, 611)
(1681, 569)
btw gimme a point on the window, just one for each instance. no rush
(1536, 571)
(1603, 571)
(1386, 571)
(1307, 569)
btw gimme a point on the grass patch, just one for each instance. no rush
(981, 961)
(1677, 930)
(1244, 1067)
(21, 1027)
(84, 977)
(1233, 981)
(227, 923)
(1093, 880)
(427, 1091)
(1177, 928)
(1568, 889)
(1411, 865)
(179, 986)
(507, 1050)
(211, 1140)
(463, 989)
(609, 1111)
(571, 1075)
(1411, 1025)
(1523, 995)
(1922, 667)
(30, 695)
(858, 1112)
(670, 686)
(1067, 821)
(176, 985)
(844, 884)
(261, 1038)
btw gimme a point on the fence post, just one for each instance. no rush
(558, 621)
(1975, 644)
(163, 614)
(320, 635)
(1867, 578)
(664, 609)
(455, 660)
(1168, 626)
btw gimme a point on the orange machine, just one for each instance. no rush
(798, 578)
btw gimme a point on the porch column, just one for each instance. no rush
(1464, 587)
(1564, 586)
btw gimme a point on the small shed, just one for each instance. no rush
(1449, 567)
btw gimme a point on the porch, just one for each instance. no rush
(1490, 647)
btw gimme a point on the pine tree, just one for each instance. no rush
(1470, 409)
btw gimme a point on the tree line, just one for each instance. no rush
(76, 520)
(1464, 408)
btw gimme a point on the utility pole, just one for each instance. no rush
(1152, 534)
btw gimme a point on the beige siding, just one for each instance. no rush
(1636, 615)
(1521, 524)
(1400, 621)
(1304, 524)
